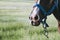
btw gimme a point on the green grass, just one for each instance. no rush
(15, 25)
(16, 0)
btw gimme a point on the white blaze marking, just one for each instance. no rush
(34, 13)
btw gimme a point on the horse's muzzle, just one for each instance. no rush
(35, 20)
(35, 23)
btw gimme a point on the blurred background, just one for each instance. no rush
(15, 23)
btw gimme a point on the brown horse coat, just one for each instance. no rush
(48, 4)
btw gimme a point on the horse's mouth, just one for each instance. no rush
(35, 23)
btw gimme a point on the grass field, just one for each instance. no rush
(15, 25)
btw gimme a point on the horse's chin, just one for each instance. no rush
(35, 23)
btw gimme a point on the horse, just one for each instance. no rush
(37, 15)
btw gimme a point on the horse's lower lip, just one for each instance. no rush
(35, 23)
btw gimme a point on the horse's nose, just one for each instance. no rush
(34, 18)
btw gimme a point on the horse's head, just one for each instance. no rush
(36, 15)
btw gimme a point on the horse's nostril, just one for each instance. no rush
(36, 17)
(30, 18)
